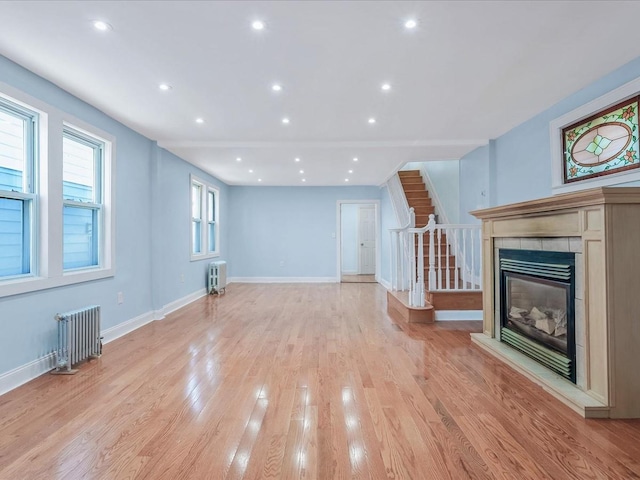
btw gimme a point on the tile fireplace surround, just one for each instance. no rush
(602, 227)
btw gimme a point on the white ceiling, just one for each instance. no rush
(469, 72)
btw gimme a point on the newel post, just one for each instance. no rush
(431, 226)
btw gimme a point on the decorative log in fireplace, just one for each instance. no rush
(537, 297)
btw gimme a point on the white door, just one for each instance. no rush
(367, 240)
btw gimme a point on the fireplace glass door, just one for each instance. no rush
(538, 309)
(537, 303)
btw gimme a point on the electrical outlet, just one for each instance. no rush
(182, 278)
(282, 263)
(120, 298)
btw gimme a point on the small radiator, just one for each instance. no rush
(217, 277)
(78, 338)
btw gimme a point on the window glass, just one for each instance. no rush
(13, 150)
(80, 246)
(79, 170)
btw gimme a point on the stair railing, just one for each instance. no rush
(454, 259)
(400, 259)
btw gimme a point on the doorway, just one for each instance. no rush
(358, 242)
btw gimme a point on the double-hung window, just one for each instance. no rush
(196, 218)
(82, 174)
(212, 221)
(17, 189)
(205, 227)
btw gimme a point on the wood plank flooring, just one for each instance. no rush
(301, 382)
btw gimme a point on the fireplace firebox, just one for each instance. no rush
(537, 303)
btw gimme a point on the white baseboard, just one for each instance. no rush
(384, 283)
(457, 315)
(355, 272)
(117, 331)
(27, 372)
(282, 280)
(21, 375)
(179, 303)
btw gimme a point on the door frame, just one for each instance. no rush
(339, 203)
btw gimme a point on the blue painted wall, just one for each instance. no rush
(172, 232)
(287, 231)
(474, 183)
(152, 191)
(522, 169)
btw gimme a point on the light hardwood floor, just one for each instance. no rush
(301, 382)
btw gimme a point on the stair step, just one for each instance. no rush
(410, 180)
(409, 173)
(443, 300)
(398, 309)
(422, 209)
(413, 187)
(419, 201)
(416, 194)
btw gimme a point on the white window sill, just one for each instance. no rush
(204, 256)
(34, 284)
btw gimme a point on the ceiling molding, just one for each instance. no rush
(343, 144)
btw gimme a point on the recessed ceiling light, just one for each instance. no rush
(346, 179)
(297, 159)
(102, 26)
(410, 24)
(250, 171)
(385, 87)
(286, 121)
(301, 171)
(238, 159)
(199, 120)
(259, 179)
(372, 120)
(355, 159)
(165, 87)
(276, 87)
(257, 25)
(304, 179)
(350, 171)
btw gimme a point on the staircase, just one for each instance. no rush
(397, 302)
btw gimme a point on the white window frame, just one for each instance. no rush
(205, 188)
(48, 206)
(215, 222)
(29, 195)
(98, 144)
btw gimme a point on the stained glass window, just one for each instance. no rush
(604, 143)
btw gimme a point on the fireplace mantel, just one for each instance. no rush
(603, 224)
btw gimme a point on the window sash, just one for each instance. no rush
(92, 258)
(18, 256)
(98, 160)
(30, 141)
(26, 255)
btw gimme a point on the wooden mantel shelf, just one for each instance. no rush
(603, 224)
(594, 196)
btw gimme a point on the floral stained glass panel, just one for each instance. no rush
(602, 144)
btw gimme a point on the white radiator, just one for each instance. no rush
(217, 277)
(78, 338)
